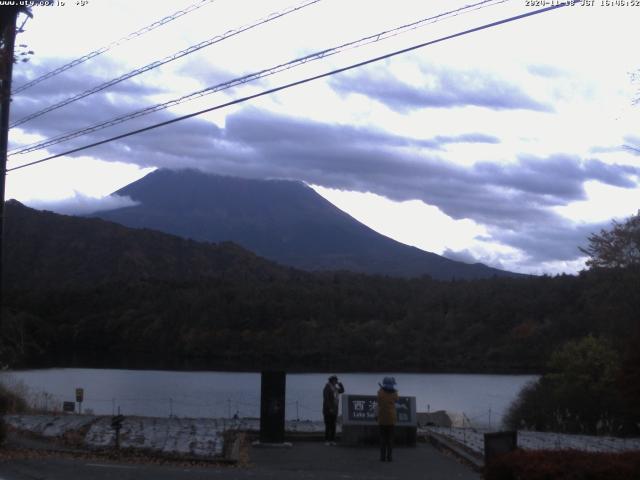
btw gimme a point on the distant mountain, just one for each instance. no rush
(284, 221)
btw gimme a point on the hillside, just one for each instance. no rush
(47, 250)
(284, 221)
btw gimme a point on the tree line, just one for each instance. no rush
(329, 321)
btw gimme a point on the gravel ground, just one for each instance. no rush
(197, 437)
(203, 437)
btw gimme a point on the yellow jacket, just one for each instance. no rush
(387, 407)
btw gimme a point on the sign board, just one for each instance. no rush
(79, 394)
(498, 443)
(68, 407)
(361, 410)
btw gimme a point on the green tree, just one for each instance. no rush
(615, 248)
(589, 364)
(579, 394)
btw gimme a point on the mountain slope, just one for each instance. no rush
(45, 250)
(284, 221)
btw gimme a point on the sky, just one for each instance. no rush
(506, 146)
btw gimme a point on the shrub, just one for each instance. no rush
(578, 396)
(564, 465)
(12, 400)
(3, 431)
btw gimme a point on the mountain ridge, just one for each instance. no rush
(50, 250)
(282, 220)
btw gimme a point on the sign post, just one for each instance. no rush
(79, 398)
(116, 424)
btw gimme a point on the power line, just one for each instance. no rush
(113, 44)
(187, 51)
(299, 82)
(254, 76)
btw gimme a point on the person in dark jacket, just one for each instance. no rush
(331, 395)
(387, 416)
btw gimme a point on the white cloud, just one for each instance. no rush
(81, 204)
(604, 202)
(69, 176)
(411, 222)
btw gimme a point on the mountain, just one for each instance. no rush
(284, 221)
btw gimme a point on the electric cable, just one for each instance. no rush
(254, 76)
(113, 44)
(298, 82)
(182, 53)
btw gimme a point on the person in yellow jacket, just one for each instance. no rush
(387, 416)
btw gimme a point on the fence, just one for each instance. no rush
(183, 406)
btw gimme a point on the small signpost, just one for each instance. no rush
(79, 398)
(68, 407)
(116, 424)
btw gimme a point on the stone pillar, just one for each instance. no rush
(272, 406)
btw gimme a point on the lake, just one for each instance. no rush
(482, 398)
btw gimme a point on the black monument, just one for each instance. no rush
(272, 406)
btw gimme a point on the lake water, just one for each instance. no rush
(482, 398)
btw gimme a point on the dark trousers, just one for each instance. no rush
(386, 442)
(330, 427)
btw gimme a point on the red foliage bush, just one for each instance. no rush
(564, 465)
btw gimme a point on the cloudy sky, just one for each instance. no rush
(506, 146)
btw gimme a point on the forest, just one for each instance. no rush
(94, 292)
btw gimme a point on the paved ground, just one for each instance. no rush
(304, 460)
(313, 460)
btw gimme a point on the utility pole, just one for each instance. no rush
(8, 16)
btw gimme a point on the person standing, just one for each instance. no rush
(387, 416)
(331, 396)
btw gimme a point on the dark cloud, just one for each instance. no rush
(558, 177)
(439, 141)
(76, 80)
(442, 88)
(560, 237)
(632, 144)
(114, 101)
(465, 255)
(512, 200)
(121, 99)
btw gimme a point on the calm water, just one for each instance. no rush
(482, 398)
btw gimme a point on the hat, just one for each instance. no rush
(388, 383)
(333, 377)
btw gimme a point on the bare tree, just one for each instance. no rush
(615, 248)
